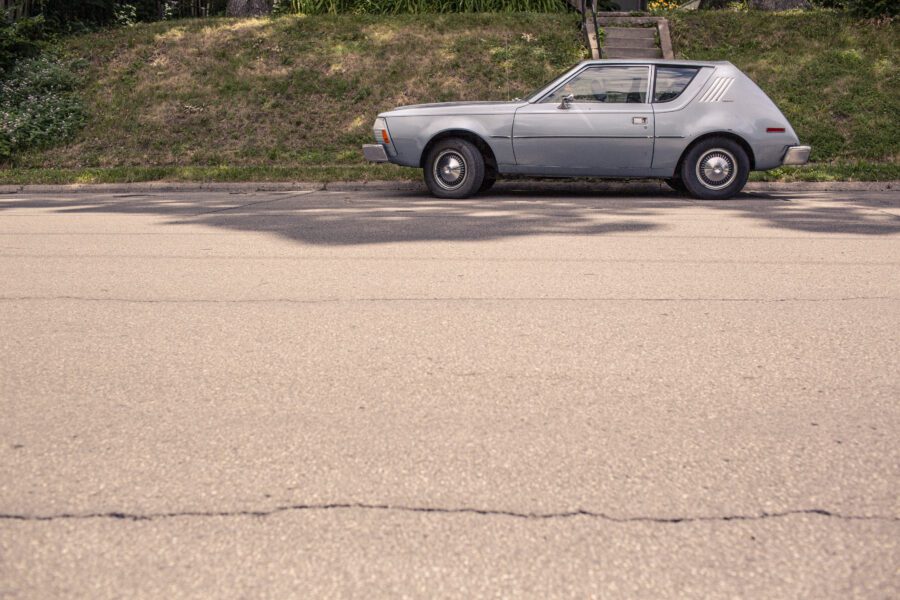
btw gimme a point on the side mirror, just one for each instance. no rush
(567, 102)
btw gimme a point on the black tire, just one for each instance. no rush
(677, 185)
(454, 168)
(715, 169)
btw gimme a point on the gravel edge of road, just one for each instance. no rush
(627, 187)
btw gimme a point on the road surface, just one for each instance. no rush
(380, 394)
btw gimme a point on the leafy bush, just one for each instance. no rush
(126, 15)
(864, 8)
(873, 8)
(76, 16)
(20, 39)
(860, 8)
(38, 106)
(63, 12)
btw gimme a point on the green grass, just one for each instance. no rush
(292, 98)
(861, 171)
(324, 174)
(49, 176)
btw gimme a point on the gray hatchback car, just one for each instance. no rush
(701, 126)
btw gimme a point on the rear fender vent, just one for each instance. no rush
(717, 90)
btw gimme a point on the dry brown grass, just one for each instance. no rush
(292, 90)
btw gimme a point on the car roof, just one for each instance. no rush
(626, 61)
(654, 61)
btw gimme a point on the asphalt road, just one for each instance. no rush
(380, 394)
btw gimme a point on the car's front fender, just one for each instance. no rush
(411, 134)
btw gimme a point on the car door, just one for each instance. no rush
(606, 129)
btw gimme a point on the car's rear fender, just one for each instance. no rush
(729, 104)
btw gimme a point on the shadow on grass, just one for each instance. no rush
(513, 210)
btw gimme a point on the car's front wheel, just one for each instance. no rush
(490, 178)
(715, 169)
(454, 168)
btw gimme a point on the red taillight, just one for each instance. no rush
(774, 129)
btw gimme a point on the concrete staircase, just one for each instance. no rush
(624, 35)
(627, 36)
(630, 42)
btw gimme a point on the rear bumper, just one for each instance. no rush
(374, 153)
(796, 155)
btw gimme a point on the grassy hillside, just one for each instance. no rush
(292, 91)
(294, 97)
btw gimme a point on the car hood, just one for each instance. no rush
(455, 108)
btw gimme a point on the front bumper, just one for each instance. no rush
(796, 155)
(374, 153)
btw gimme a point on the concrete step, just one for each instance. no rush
(618, 52)
(630, 33)
(632, 21)
(648, 43)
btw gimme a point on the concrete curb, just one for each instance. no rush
(161, 186)
(627, 187)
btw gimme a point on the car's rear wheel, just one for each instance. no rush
(715, 169)
(454, 168)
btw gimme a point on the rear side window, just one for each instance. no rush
(671, 81)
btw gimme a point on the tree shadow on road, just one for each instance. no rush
(845, 213)
(349, 218)
(841, 212)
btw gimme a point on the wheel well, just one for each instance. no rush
(725, 134)
(489, 159)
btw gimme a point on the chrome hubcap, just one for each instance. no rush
(716, 169)
(449, 169)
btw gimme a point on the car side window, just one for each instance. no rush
(605, 84)
(671, 81)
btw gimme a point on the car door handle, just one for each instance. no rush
(639, 120)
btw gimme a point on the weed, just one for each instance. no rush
(38, 106)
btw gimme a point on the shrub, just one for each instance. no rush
(78, 16)
(126, 15)
(38, 105)
(864, 8)
(20, 39)
(873, 8)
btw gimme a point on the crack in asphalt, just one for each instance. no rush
(534, 516)
(425, 299)
(585, 261)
